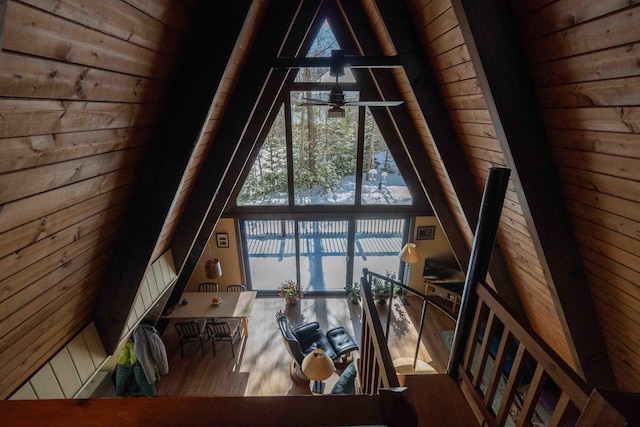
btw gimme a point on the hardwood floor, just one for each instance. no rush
(261, 364)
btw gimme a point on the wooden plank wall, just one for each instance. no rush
(445, 47)
(584, 62)
(75, 367)
(81, 86)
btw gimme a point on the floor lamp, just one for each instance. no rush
(409, 255)
(405, 365)
(317, 366)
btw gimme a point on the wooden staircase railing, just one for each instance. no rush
(511, 372)
(375, 368)
(509, 375)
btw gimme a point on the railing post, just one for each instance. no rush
(484, 239)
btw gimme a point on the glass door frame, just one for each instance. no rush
(350, 262)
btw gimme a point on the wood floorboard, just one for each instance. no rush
(261, 363)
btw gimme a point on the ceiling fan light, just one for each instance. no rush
(335, 113)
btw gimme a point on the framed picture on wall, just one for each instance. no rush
(426, 233)
(222, 240)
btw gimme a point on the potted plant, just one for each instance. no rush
(290, 291)
(353, 292)
(380, 288)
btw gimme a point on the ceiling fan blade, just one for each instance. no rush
(322, 101)
(374, 103)
(313, 104)
(341, 60)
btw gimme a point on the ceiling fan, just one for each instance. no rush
(337, 63)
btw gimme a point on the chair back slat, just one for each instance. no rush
(190, 329)
(219, 329)
(236, 288)
(208, 287)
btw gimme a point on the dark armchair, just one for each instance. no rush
(303, 340)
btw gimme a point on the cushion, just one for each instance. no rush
(341, 341)
(346, 384)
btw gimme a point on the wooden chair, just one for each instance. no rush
(228, 330)
(208, 287)
(191, 331)
(236, 288)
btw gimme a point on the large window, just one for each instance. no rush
(324, 197)
(324, 154)
(317, 253)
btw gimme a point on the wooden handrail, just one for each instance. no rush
(375, 365)
(499, 336)
(376, 368)
(197, 411)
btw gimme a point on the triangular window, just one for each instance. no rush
(266, 184)
(322, 46)
(382, 183)
(320, 159)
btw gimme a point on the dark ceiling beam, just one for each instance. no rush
(370, 90)
(494, 45)
(285, 27)
(416, 66)
(441, 128)
(432, 105)
(207, 52)
(395, 123)
(348, 61)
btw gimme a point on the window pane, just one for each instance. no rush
(323, 255)
(378, 242)
(322, 46)
(382, 183)
(324, 152)
(266, 183)
(271, 252)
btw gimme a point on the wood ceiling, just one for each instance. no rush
(123, 126)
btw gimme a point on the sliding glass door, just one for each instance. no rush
(377, 244)
(322, 255)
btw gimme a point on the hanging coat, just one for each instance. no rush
(150, 351)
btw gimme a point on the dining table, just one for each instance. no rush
(200, 305)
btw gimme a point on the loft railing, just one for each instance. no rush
(376, 366)
(512, 373)
(511, 376)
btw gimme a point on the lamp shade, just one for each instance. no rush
(409, 253)
(213, 268)
(317, 365)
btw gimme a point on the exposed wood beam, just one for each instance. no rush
(216, 28)
(349, 61)
(432, 105)
(395, 123)
(285, 28)
(493, 43)
(246, 151)
(242, 171)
